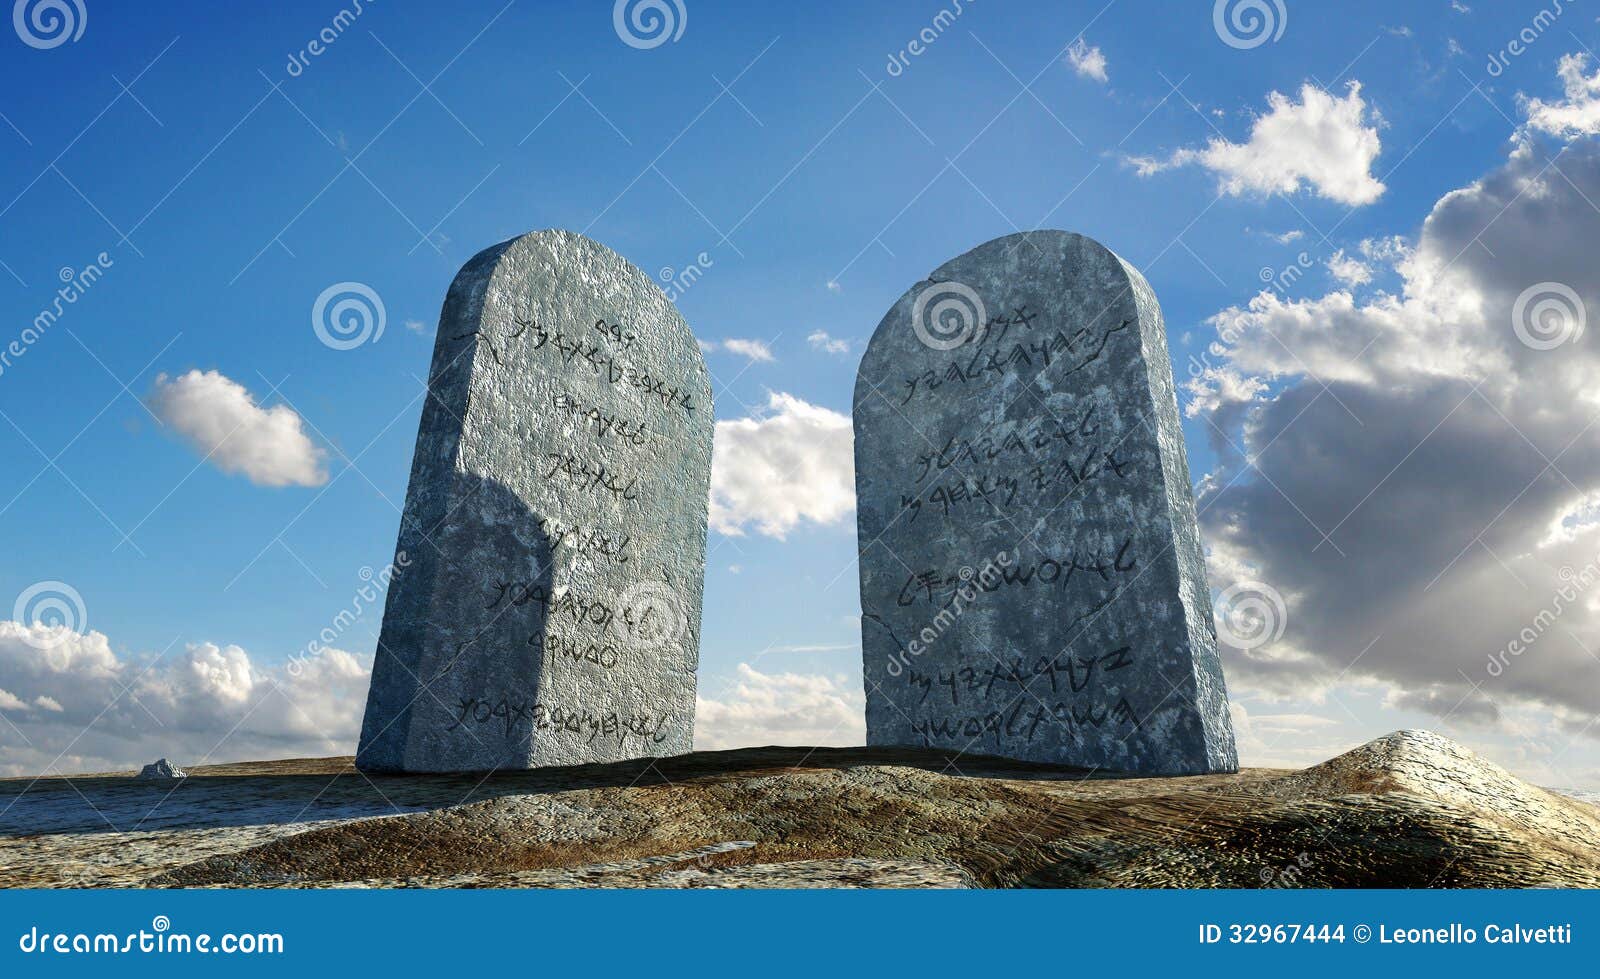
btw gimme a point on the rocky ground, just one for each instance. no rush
(1408, 810)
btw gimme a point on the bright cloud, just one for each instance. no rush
(756, 351)
(93, 710)
(1087, 61)
(1349, 269)
(1412, 475)
(792, 462)
(821, 340)
(220, 419)
(1578, 114)
(781, 709)
(1322, 142)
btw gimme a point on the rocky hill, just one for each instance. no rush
(1409, 810)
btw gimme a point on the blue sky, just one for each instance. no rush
(228, 193)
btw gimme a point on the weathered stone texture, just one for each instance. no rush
(1032, 581)
(548, 610)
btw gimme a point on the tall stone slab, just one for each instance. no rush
(554, 532)
(1032, 582)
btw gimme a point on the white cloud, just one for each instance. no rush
(10, 701)
(416, 326)
(1349, 269)
(1087, 61)
(1289, 237)
(221, 420)
(790, 463)
(1322, 142)
(1576, 115)
(754, 350)
(821, 340)
(783, 709)
(97, 711)
(1452, 466)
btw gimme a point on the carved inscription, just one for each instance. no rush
(1031, 579)
(560, 490)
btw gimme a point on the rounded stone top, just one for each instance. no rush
(956, 303)
(555, 263)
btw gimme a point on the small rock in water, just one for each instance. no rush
(162, 769)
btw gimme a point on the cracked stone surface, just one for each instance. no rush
(545, 606)
(1032, 581)
(1408, 810)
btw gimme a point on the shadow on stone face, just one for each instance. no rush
(461, 655)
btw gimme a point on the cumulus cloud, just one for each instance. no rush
(1416, 473)
(85, 708)
(782, 709)
(791, 462)
(828, 344)
(1349, 269)
(1322, 142)
(756, 351)
(220, 419)
(1578, 114)
(1087, 61)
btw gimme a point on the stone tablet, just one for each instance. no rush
(1032, 582)
(554, 530)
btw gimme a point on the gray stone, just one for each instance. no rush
(545, 608)
(161, 769)
(1032, 582)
